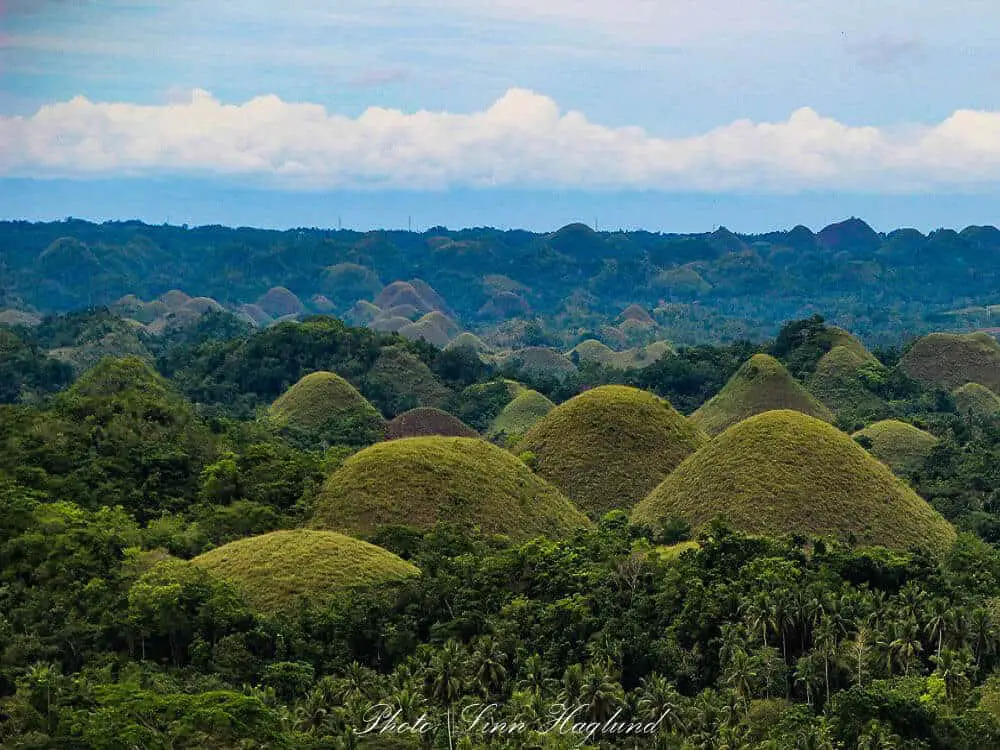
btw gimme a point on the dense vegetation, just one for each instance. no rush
(605, 286)
(171, 575)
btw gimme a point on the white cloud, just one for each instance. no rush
(522, 140)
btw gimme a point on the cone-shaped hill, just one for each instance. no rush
(609, 446)
(274, 571)
(424, 421)
(901, 446)
(519, 416)
(837, 383)
(783, 472)
(323, 408)
(951, 360)
(761, 384)
(977, 400)
(420, 481)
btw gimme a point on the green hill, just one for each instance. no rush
(951, 360)
(399, 381)
(274, 571)
(608, 447)
(977, 400)
(784, 472)
(420, 481)
(761, 384)
(838, 384)
(537, 361)
(901, 446)
(468, 340)
(426, 420)
(323, 408)
(519, 416)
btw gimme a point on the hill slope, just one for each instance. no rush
(784, 472)
(761, 384)
(324, 408)
(420, 481)
(273, 571)
(977, 400)
(951, 360)
(838, 385)
(426, 420)
(901, 446)
(519, 416)
(609, 446)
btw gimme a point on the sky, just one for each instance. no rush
(672, 115)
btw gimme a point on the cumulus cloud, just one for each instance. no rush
(522, 140)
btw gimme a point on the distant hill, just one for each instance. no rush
(901, 446)
(951, 360)
(571, 280)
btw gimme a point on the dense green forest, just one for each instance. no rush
(181, 563)
(574, 282)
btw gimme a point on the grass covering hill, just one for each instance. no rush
(469, 341)
(761, 384)
(950, 360)
(839, 385)
(274, 571)
(783, 472)
(324, 409)
(978, 400)
(609, 446)
(519, 416)
(420, 481)
(537, 361)
(399, 381)
(901, 446)
(424, 421)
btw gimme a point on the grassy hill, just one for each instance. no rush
(324, 408)
(400, 381)
(274, 571)
(784, 472)
(838, 385)
(761, 384)
(426, 420)
(951, 360)
(977, 400)
(519, 416)
(901, 446)
(609, 446)
(420, 481)
(537, 361)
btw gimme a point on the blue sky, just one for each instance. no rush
(668, 114)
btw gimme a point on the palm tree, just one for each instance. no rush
(906, 646)
(488, 666)
(535, 677)
(600, 693)
(826, 649)
(755, 613)
(983, 634)
(572, 686)
(939, 617)
(741, 675)
(809, 674)
(659, 698)
(877, 736)
(444, 680)
(953, 668)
